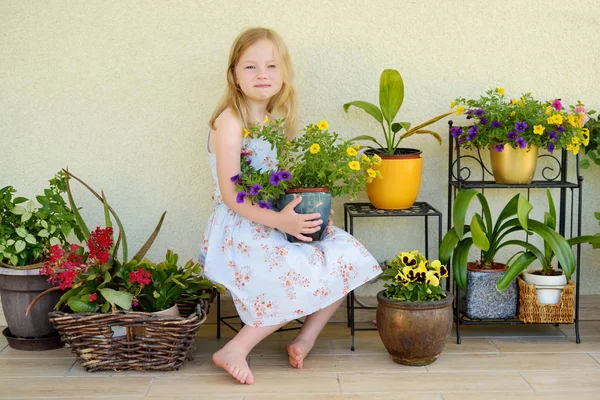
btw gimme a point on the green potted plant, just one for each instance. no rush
(514, 130)
(592, 150)
(479, 278)
(317, 165)
(27, 231)
(414, 313)
(549, 280)
(401, 167)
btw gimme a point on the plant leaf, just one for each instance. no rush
(370, 108)
(140, 254)
(515, 269)
(523, 209)
(391, 93)
(81, 306)
(122, 299)
(459, 211)
(82, 226)
(459, 262)
(480, 239)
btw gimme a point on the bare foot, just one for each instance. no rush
(234, 362)
(298, 349)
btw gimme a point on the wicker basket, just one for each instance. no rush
(165, 346)
(530, 311)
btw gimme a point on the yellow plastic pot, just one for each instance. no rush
(400, 183)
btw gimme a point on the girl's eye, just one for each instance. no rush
(272, 66)
(249, 67)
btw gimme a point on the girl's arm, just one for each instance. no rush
(227, 145)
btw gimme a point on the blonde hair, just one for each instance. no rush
(283, 104)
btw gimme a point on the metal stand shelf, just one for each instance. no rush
(366, 210)
(459, 177)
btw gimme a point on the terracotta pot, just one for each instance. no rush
(414, 333)
(400, 183)
(514, 166)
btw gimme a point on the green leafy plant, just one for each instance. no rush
(592, 150)
(498, 121)
(410, 277)
(27, 230)
(318, 158)
(490, 236)
(391, 97)
(545, 257)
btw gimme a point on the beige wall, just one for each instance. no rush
(121, 91)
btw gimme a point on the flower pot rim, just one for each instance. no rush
(473, 266)
(420, 305)
(308, 190)
(405, 153)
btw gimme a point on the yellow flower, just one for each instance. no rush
(315, 148)
(356, 146)
(409, 273)
(575, 140)
(266, 119)
(452, 104)
(460, 110)
(323, 125)
(246, 132)
(556, 119)
(437, 265)
(365, 159)
(500, 90)
(376, 159)
(371, 173)
(354, 165)
(586, 133)
(421, 271)
(548, 110)
(432, 279)
(573, 148)
(512, 114)
(407, 259)
(351, 151)
(538, 129)
(573, 120)
(585, 140)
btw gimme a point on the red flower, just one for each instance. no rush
(93, 297)
(100, 243)
(140, 277)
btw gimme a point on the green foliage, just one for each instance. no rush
(410, 277)
(391, 97)
(592, 150)
(27, 230)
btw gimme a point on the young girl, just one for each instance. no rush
(271, 280)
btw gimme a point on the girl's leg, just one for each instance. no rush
(299, 348)
(232, 356)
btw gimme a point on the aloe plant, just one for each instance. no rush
(491, 236)
(526, 258)
(391, 97)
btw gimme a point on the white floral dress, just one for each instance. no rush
(271, 280)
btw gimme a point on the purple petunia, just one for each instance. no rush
(264, 204)
(512, 135)
(553, 135)
(255, 189)
(561, 129)
(472, 132)
(550, 147)
(240, 197)
(496, 124)
(237, 179)
(483, 120)
(479, 112)
(285, 175)
(275, 178)
(455, 131)
(520, 126)
(499, 147)
(521, 142)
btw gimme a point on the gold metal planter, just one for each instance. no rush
(514, 166)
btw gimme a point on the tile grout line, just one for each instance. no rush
(593, 358)
(526, 381)
(149, 385)
(339, 383)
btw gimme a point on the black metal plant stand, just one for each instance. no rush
(461, 176)
(366, 210)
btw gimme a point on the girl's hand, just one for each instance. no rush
(298, 224)
(330, 222)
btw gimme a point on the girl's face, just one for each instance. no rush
(258, 71)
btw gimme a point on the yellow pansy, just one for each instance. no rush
(432, 279)
(315, 148)
(354, 165)
(452, 104)
(437, 265)
(323, 125)
(371, 173)
(409, 273)
(538, 129)
(407, 259)
(246, 132)
(376, 159)
(351, 151)
(500, 90)
(460, 110)
(421, 271)
(266, 119)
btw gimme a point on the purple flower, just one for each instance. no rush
(264, 204)
(455, 131)
(550, 147)
(473, 132)
(255, 189)
(553, 135)
(479, 112)
(275, 178)
(512, 135)
(557, 105)
(469, 112)
(284, 175)
(483, 120)
(521, 142)
(561, 129)
(240, 197)
(237, 179)
(496, 124)
(521, 126)
(499, 147)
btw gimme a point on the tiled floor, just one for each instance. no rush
(496, 363)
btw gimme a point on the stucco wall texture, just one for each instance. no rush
(121, 93)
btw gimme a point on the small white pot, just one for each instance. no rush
(548, 288)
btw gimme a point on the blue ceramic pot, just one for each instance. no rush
(314, 200)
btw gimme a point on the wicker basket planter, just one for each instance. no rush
(165, 345)
(531, 311)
